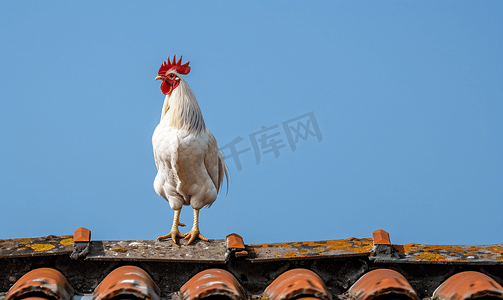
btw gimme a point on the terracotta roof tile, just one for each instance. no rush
(381, 237)
(212, 282)
(43, 281)
(468, 285)
(82, 235)
(382, 282)
(297, 283)
(235, 241)
(235, 245)
(127, 282)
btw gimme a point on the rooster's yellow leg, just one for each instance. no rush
(194, 232)
(174, 233)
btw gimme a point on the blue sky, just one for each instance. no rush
(407, 97)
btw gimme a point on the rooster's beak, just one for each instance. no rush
(159, 78)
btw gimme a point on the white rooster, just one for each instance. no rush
(190, 166)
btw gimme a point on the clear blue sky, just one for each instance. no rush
(407, 98)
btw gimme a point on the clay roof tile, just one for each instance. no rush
(127, 282)
(212, 282)
(42, 281)
(468, 285)
(382, 282)
(297, 283)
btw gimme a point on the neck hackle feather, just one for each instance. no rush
(182, 110)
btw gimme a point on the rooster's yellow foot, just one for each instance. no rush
(192, 235)
(174, 233)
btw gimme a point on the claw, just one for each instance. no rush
(174, 233)
(193, 235)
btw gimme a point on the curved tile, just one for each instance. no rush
(297, 283)
(235, 241)
(382, 282)
(43, 281)
(82, 235)
(127, 281)
(468, 285)
(212, 282)
(381, 237)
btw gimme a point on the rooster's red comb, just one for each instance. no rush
(178, 67)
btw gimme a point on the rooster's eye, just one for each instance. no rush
(171, 75)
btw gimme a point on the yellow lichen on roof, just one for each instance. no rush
(415, 247)
(430, 256)
(67, 241)
(351, 244)
(451, 253)
(26, 247)
(492, 248)
(290, 254)
(41, 247)
(313, 249)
